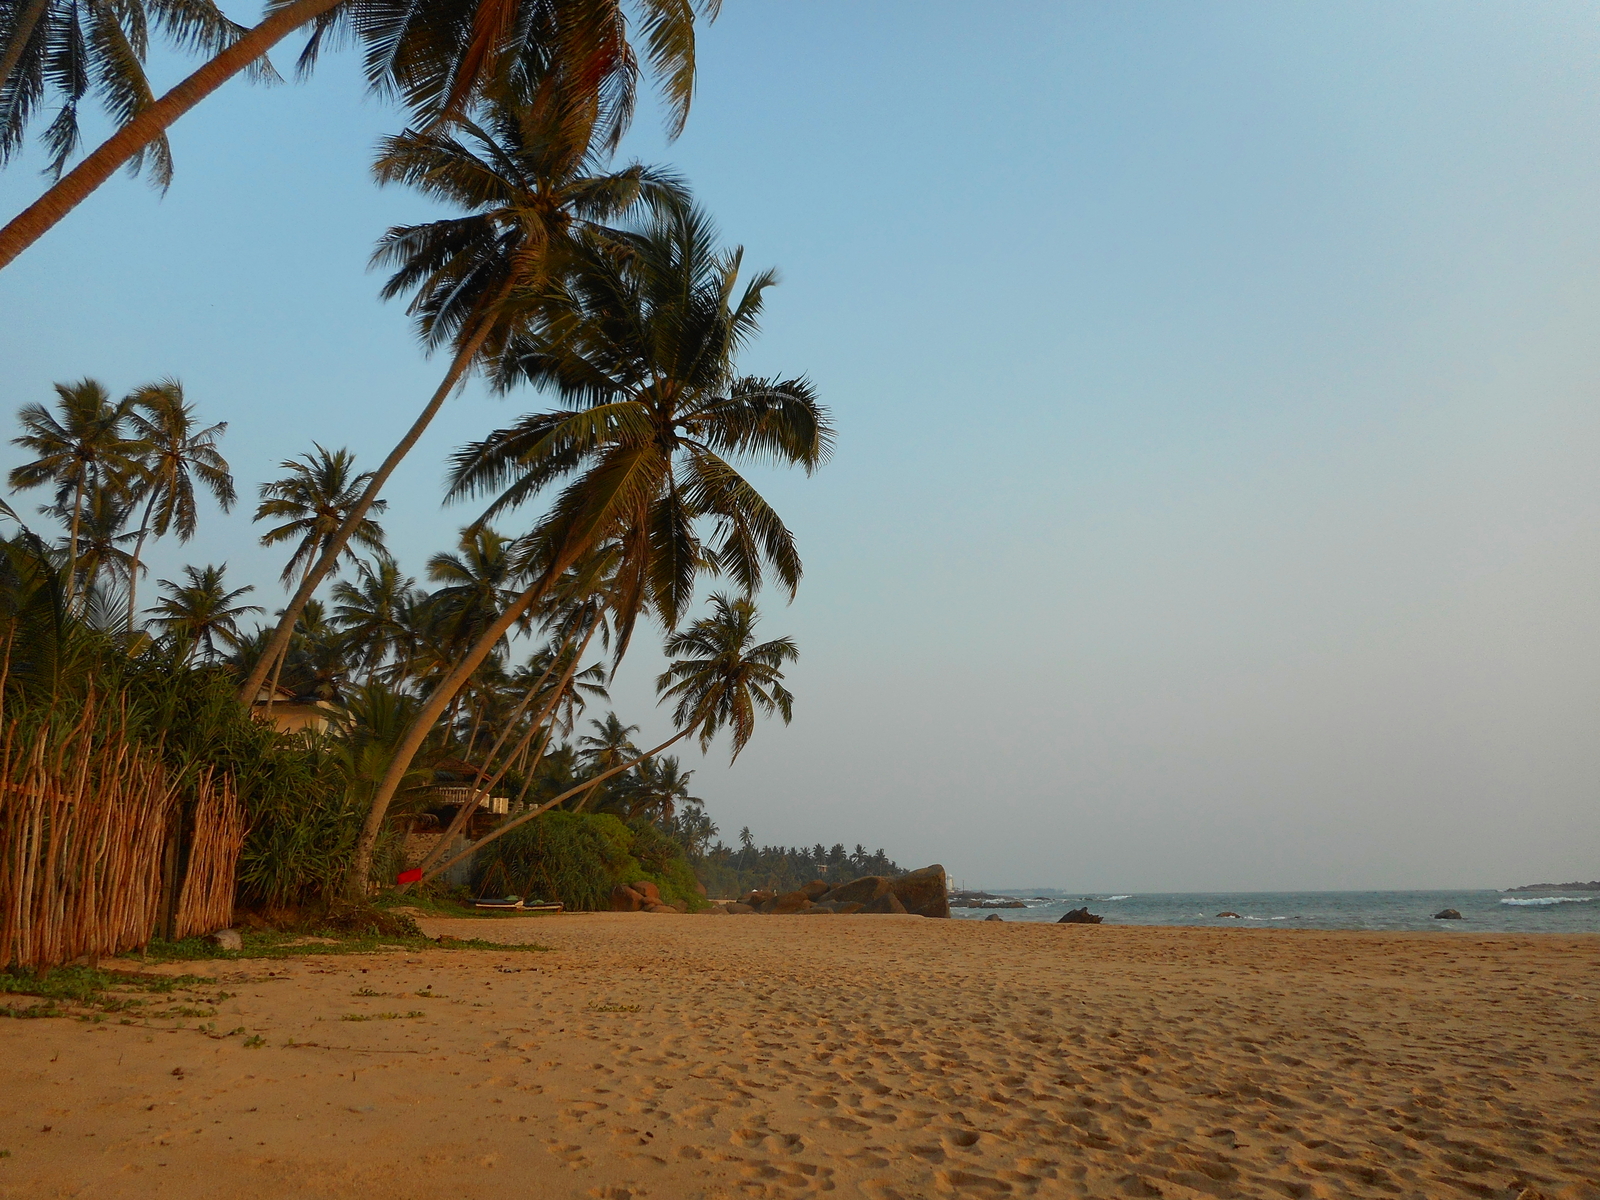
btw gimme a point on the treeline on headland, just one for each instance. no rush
(374, 734)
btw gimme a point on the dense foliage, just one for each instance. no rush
(728, 872)
(577, 858)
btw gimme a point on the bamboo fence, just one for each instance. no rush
(87, 820)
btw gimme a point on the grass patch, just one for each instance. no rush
(93, 991)
(278, 944)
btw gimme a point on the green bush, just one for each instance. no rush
(577, 858)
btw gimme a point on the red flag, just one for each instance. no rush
(410, 876)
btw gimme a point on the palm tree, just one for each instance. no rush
(177, 454)
(373, 612)
(611, 743)
(72, 47)
(658, 787)
(477, 584)
(724, 676)
(536, 197)
(725, 643)
(100, 544)
(201, 611)
(312, 501)
(82, 448)
(642, 348)
(443, 58)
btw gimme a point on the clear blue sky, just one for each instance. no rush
(1216, 497)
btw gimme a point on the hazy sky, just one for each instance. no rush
(1215, 504)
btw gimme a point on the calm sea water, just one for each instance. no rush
(1573, 912)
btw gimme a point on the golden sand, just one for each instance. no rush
(681, 1057)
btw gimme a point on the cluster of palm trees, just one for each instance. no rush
(605, 289)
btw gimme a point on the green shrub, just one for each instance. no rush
(577, 858)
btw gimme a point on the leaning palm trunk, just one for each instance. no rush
(279, 645)
(152, 122)
(465, 813)
(522, 819)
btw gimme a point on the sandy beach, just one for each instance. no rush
(885, 1057)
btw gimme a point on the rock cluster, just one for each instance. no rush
(1448, 914)
(922, 893)
(643, 896)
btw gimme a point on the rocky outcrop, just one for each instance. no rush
(625, 899)
(1448, 914)
(1079, 916)
(1234, 915)
(994, 917)
(923, 893)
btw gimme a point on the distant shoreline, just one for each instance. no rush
(1592, 886)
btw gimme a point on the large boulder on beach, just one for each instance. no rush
(924, 892)
(737, 908)
(886, 903)
(816, 889)
(1079, 916)
(757, 897)
(789, 902)
(625, 899)
(1448, 914)
(650, 892)
(858, 891)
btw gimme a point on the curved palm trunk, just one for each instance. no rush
(465, 815)
(153, 121)
(20, 37)
(438, 700)
(522, 819)
(330, 553)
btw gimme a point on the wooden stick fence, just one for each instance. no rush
(85, 818)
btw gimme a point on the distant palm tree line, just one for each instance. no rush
(604, 288)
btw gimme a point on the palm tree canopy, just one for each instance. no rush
(609, 744)
(533, 190)
(73, 47)
(201, 610)
(642, 349)
(721, 677)
(83, 445)
(312, 501)
(478, 584)
(177, 455)
(373, 610)
(446, 57)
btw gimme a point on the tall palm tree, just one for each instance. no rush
(82, 448)
(643, 349)
(312, 502)
(373, 612)
(73, 47)
(723, 676)
(177, 454)
(657, 788)
(201, 611)
(536, 196)
(610, 743)
(101, 556)
(478, 583)
(442, 58)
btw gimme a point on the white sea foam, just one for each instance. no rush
(1117, 897)
(1543, 900)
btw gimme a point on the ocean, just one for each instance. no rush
(1481, 911)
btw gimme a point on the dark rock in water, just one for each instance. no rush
(625, 899)
(886, 903)
(860, 891)
(1079, 916)
(994, 917)
(924, 892)
(1234, 915)
(1447, 914)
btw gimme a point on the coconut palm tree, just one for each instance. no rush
(102, 558)
(719, 676)
(177, 455)
(201, 611)
(535, 196)
(74, 47)
(373, 612)
(611, 743)
(312, 501)
(642, 349)
(658, 788)
(82, 448)
(479, 582)
(442, 58)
